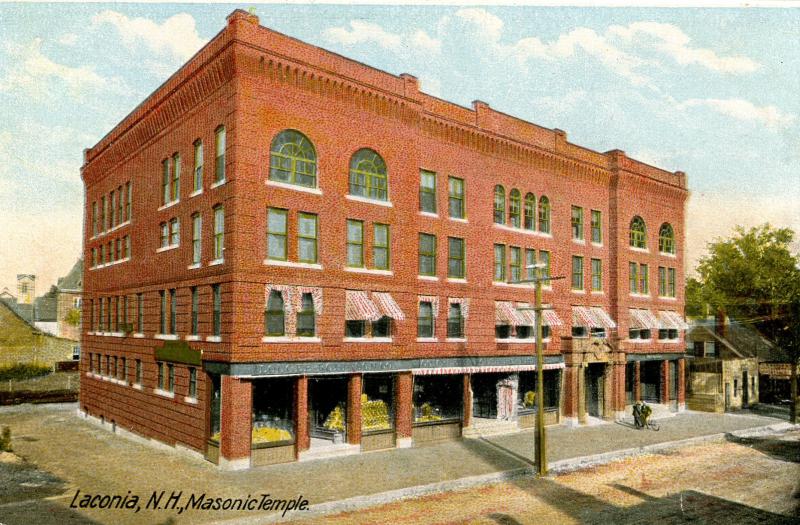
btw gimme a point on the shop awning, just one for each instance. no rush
(591, 317)
(505, 313)
(527, 313)
(671, 321)
(643, 319)
(603, 317)
(387, 305)
(551, 318)
(358, 307)
(483, 369)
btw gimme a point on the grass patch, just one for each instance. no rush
(5, 440)
(21, 371)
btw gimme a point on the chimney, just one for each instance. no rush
(720, 324)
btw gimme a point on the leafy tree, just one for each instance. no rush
(754, 277)
(73, 317)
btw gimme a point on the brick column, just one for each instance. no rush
(237, 414)
(354, 409)
(619, 368)
(664, 372)
(302, 439)
(681, 384)
(580, 399)
(467, 401)
(403, 403)
(571, 394)
(637, 381)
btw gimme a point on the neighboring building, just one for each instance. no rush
(6, 295)
(26, 288)
(45, 311)
(723, 364)
(21, 342)
(68, 310)
(290, 254)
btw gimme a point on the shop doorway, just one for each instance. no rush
(327, 410)
(650, 381)
(595, 384)
(484, 395)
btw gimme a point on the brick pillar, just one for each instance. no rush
(302, 439)
(619, 368)
(637, 381)
(664, 372)
(580, 372)
(235, 434)
(681, 384)
(571, 394)
(467, 401)
(354, 409)
(403, 402)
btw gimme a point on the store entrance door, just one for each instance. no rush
(327, 409)
(594, 389)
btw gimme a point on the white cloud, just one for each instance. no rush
(177, 36)
(672, 41)
(68, 39)
(741, 109)
(361, 32)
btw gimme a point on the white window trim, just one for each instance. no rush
(193, 337)
(639, 295)
(167, 248)
(427, 278)
(581, 292)
(670, 255)
(598, 292)
(371, 271)
(190, 400)
(289, 339)
(292, 264)
(526, 286)
(427, 340)
(515, 340)
(214, 338)
(582, 242)
(367, 340)
(137, 386)
(597, 244)
(167, 205)
(429, 214)
(294, 187)
(167, 337)
(216, 262)
(640, 250)
(118, 226)
(138, 335)
(367, 200)
(195, 193)
(218, 183)
(670, 341)
(519, 230)
(456, 219)
(639, 341)
(456, 280)
(667, 298)
(194, 266)
(164, 393)
(456, 340)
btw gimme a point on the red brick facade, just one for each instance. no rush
(257, 83)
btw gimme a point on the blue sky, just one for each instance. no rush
(713, 92)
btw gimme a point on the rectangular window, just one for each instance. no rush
(380, 246)
(219, 151)
(277, 231)
(671, 282)
(138, 371)
(94, 257)
(114, 372)
(170, 377)
(455, 321)
(125, 313)
(128, 246)
(120, 205)
(633, 277)
(644, 285)
(123, 248)
(91, 315)
(425, 319)
(160, 375)
(662, 281)
(94, 219)
(597, 275)
(174, 231)
(197, 236)
(116, 314)
(499, 262)
(456, 260)
(306, 316)
(530, 260)
(118, 249)
(103, 213)
(577, 272)
(197, 184)
(355, 243)
(113, 200)
(173, 311)
(597, 227)
(427, 254)
(128, 195)
(577, 222)
(165, 181)
(139, 313)
(164, 234)
(195, 307)
(216, 294)
(544, 258)
(162, 320)
(219, 233)
(456, 198)
(514, 264)
(307, 237)
(427, 191)
(175, 186)
(123, 369)
(192, 382)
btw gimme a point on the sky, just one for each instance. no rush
(713, 92)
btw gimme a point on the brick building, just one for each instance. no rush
(290, 254)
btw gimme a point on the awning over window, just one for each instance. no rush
(551, 318)
(387, 305)
(527, 313)
(591, 317)
(643, 320)
(358, 307)
(671, 321)
(505, 313)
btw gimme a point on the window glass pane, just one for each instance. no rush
(499, 262)
(427, 192)
(355, 246)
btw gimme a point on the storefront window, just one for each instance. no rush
(438, 398)
(216, 403)
(376, 403)
(527, 389)
(272, 410)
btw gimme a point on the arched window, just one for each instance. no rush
(274, 316)
(306, 317)
(292, 159)
(514, 205)
(530, 211)
(499, 204)
(368, 175)
(638, 233)
(666, 238)
(544, 214)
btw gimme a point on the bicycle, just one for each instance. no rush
(641, 417)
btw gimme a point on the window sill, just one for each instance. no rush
(218, 184)
(456, 280)
(116, 334)
(640, 250)
(164, 393)
(665, 298)
(456, 340)
(639, 341)
(168, 205)
(194, 266)
(294, 187)
(667, 254)
(580, 292)
(167, 337)
(427, 340)
(216, 262)
(370, 271)
(429, 214)
(195, 193)
(120, 225)
(579, 241)
(367, 340)
(214, 338)
(192, 338)
(289, 339)
(597, 244)
(516, 340)
(456, 219)
(598, 292)
(517, 230)
(190, 400)
(167, 248)
(292, 264)
(527, 286)
(427, 278)
(137, 386)
(639, 295)
(368, 200)
(138, 335)
(112, 263)
(669, 341)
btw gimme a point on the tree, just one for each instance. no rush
(754, 277)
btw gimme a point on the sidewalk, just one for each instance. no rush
(100, 461)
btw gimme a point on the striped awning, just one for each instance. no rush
(527, 313)
(551, 318)
(482, 369)
(505, 313)
(604, 318)
(591, 317)
(643, 319)
(358, 307)
(387, 305)
(671, 321)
